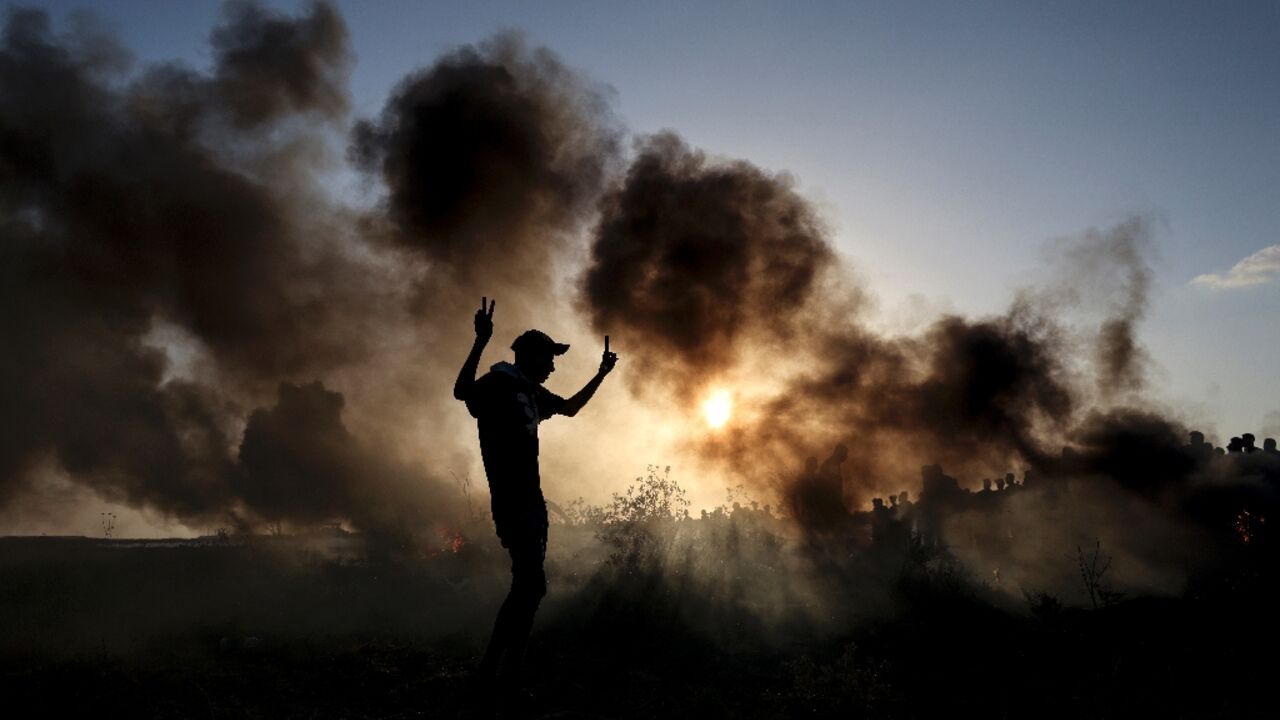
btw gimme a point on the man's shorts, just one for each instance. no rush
(525, 527)
(528, 552)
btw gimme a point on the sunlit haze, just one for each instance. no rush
(646, 360)
(718, 407)
(800, 225)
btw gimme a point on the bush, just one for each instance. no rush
(637, 526)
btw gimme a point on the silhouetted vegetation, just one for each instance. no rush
(653, 612)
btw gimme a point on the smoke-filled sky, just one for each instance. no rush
(243, 242)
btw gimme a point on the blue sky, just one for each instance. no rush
(946, 142)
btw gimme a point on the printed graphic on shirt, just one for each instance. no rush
(530, 411)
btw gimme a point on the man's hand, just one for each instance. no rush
(608, 360)
(484, 331)
(575, 403)
(484, 319)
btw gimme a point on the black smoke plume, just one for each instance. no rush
(166, 213)
(713, 272)
(270, 66)
(167, 198)
(700, 265)
(299, 463)
(696, 260)
(1120, 253)
(491, 156)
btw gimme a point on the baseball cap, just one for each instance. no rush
(538, 341)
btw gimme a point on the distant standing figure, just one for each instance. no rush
(810, 469)
(508, 403)
(832, 474)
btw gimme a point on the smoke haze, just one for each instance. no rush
(195, 328)
(137, 201)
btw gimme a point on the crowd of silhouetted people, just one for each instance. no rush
(1213, 484)
(1243, 444)
(1214, 487)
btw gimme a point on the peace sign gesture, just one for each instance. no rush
(484, 319)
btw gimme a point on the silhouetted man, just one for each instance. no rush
(508, 402)
(940, 494)
(1197, 448)
(1270, 459)
(881, 523)
(810, 468)
(832, 474)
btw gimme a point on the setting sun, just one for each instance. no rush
(717, 408)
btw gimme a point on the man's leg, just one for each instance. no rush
(515, 618)
(498, 642)
(528, 587)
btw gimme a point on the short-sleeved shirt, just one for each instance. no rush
(508, 408)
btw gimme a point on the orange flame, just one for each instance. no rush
(1246, 525)
(453, 540)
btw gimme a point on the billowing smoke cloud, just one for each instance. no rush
(1140, 450)
(1110, 269)
(702, 265)
(184, 204)
(270, 66)
(491, 156)
(714, 272)
(301, 464)
(129, 213)
(134, 201)
(171, 261)
(492, 159)
(696, 261)
(973, 395)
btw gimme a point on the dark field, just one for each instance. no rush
(662, 620)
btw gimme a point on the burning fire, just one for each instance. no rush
(453, 541)
(1246, 527)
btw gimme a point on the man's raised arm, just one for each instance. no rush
(576, 403)
(484, 331)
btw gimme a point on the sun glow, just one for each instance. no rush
(717, 408)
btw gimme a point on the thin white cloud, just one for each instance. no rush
(1257, 269)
